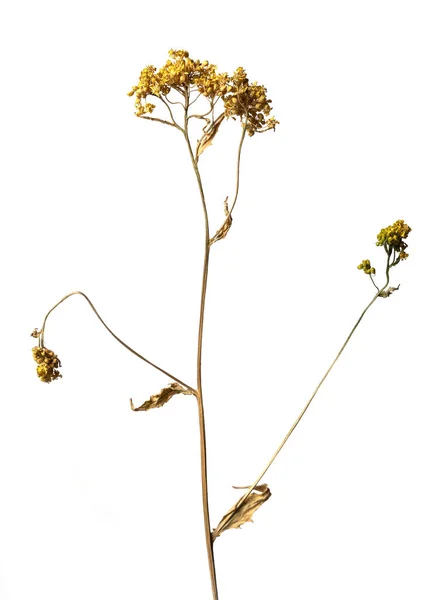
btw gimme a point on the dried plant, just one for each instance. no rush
(187, 89)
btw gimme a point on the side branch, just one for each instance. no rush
(222, 232)
(158, 120)
(188, 387)
(380, 293)
(174, 123)
(302, 413)
(237, 184)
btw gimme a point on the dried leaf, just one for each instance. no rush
(223, 231)
(162, 397)
(388, 291)
(242, 513)
(209, 136)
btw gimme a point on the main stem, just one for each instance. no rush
(202, 427)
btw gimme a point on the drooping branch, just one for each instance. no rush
(118, 339)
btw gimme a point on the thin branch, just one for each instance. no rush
(195, 99)
(207, 121)
(177, 102)
(159, 121)
(204, 115)
(292, 429)
(237, 184)
(171, 114)
(116, 338)
(373, 282)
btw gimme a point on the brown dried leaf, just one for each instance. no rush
(223, 231)
(209, 136)
(386, 293)
(162, 397)
(242, 513)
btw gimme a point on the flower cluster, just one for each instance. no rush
(366, 267)
(48, 364)
(241, 99)
(249, 102)
(149, 85)
(392, 238)
(180, 73)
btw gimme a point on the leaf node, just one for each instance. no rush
(209, 135)
(243, 510)
(221, 233)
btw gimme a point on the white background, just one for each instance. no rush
(100, 502)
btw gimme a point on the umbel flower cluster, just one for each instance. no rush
(391, 238)
(48, 364)
(242, 99)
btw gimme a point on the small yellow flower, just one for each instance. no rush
(366, 267)
(48, 364)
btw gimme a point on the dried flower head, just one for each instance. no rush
(366, 267)
(180, 73)
(249, 102)
(392, 238)
(48, 364)
(183, 74)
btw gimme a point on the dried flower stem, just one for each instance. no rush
(194, 156)
(248, 103)
(237, 180)
(158, 120)
(199, 396)
(202, 427)
(302, 413)
(41, 339)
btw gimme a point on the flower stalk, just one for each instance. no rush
(200, 407)
(381, 293)
(402, 232)
(40, 336)
(180, 87)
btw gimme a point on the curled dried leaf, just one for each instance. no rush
(243, 510)
(162, 397)
(388, 291)
(209, 135)
(223, 231)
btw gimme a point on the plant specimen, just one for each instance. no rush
(190, 92)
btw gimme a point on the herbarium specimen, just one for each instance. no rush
(190, 91)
